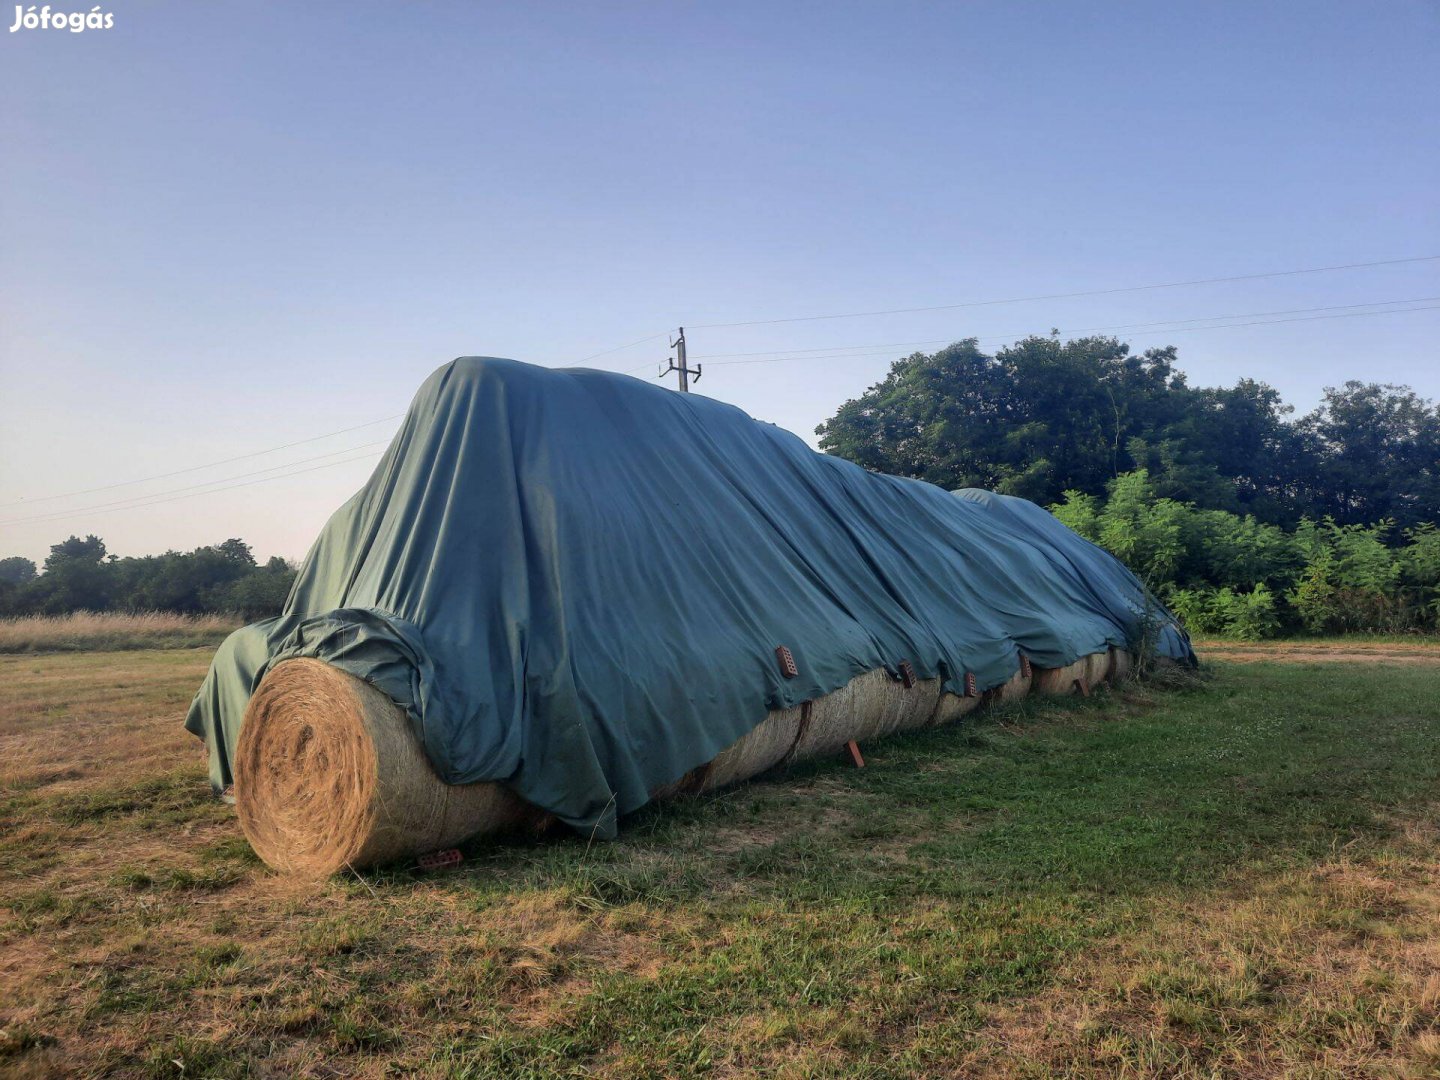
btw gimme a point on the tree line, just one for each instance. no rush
(79, 575)
(1245, 519)
(1045, 416)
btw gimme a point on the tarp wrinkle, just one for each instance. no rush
(574, 582)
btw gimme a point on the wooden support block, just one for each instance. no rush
(855, 754)
(1082, 687)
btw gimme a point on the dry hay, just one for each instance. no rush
(329, 773)
(1060, 680)
(1122, 665)
(1018, 687)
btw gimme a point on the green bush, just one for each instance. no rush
(1227, 612)
(1231, 575)
(1249, 616)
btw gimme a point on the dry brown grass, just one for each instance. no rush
(96, 719)
(90, 631)
(1327, 970)
(1340, 650)
(831, 923)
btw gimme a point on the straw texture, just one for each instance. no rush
(1059, 680)
(329, 773)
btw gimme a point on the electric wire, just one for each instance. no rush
(60, 516)
(620, 348)
(53, 514)
(1079, 330)
(159, 498)
(1068, 295)
(199, 468)
(1154, 333)
(834, 350)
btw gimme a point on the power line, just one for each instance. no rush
(619, 348)
(140, 499)
(261, 453)
(1161, 333)
(843, 352)
(201, 468)
(807, 318)
(1068, 295)
(175, 498)
(1079, 330)
(268, 450)
(140, 502)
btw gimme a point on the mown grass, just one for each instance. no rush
(1238, 877)
(89, 631)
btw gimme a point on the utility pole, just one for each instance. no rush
(685, 372)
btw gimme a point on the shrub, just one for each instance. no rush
(1223, 573)
(1249, 616)
(1226, 612)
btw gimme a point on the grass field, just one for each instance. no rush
(103, 631)
(1237, 879)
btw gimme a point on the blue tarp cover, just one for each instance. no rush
(574, 582)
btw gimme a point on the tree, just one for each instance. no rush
(924, 418)
(236, 551)
(80, 575)
(1243, 433)
(1224, 573)
(1380, 454)
(74, 578)
(1043, 417)
(257, 595)
(1036, 419)
(1143, 531)
(17, 570)
(75, 551)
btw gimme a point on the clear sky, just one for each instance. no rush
(226, 226)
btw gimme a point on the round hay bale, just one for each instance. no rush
(763, 748)
(854, 711)
(1097, 667)
(329, 774)
(1060, 680)
(1122, 665)
(868, 707)
(922, 702)
(951, 707)
(907, 708)
(1018, 686)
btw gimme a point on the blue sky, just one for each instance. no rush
(225, 226)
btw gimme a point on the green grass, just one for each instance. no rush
(1162, 883)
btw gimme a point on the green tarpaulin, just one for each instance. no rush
(574, 582)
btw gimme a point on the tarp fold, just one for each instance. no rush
(574, 583)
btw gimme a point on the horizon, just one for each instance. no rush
(217, 239)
